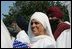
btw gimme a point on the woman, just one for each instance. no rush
(39, 31)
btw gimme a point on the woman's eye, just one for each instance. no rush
(36, 23)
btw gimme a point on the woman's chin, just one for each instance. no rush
(35, 33)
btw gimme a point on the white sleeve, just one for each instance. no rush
(23, 37)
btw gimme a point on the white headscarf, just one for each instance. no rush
(41, 17)
(5, 37)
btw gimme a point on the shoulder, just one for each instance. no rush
(49, 42)
(44, 41)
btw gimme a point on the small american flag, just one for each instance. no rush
(18, 44)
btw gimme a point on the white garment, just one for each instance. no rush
(22, 37)
(12, 38)
(5, 37)
(42, 41)
(64, 40)
(43, 19)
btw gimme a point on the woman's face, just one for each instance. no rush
(37, 28)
